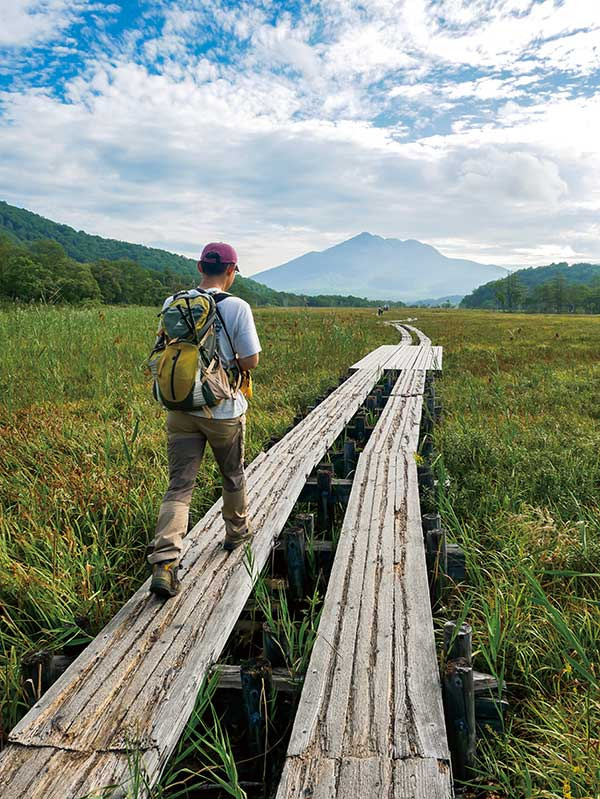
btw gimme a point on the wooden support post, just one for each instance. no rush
(340, 489)
(437, 562)
(271, 649)
(426, 487)
(459, 697)
(459, 707)
(295, 558)
(458, 643)
(360, 427)
(491, 704)
(457, 570)
(349, 456)
(40, 670)
(307, 522)
(256, 688)
(379, 397)
(431, 521)
(425, 475)
(427, 447)
(427, 420)
(325, 508)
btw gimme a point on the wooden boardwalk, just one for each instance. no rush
(370, 721)
(135, 685)
(393, 357)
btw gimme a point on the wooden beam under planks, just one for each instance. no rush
(370, 720)
(136, 683)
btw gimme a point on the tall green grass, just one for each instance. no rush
(519, 479)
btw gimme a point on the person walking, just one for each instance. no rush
(222, 426)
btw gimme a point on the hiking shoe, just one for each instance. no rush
(164, 578)
(231, 542)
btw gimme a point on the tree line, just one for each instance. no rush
(557, 288)
(42, 271)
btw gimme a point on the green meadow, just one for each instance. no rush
(83, 469)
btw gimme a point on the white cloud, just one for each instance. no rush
(318, 127)
(28, 22)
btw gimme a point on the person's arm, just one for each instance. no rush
(251, 362)
(245, 339)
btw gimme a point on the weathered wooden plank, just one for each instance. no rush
(418, 682)
(338, 623)
(371, 698)
(310, 778)
(376, 357)
(420, 336)
(323, 778)
(405, 334)
(415, 357)
(365, 776)
(422, 778)
(368, 728)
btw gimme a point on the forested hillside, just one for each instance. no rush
(25, 226)
(558, 288)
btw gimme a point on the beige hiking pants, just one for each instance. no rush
(187, 437)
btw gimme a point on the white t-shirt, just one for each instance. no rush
(238, 319)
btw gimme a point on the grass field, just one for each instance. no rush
(84, 467)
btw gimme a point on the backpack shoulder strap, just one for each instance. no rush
(218, 296)
(221, 297)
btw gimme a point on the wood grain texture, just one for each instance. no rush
(136, 683)
(373, 778)
(370, 720)
(402, 356)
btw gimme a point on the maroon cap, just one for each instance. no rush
(217, 252)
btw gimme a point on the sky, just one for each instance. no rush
(284, 127)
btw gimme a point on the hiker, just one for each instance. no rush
(211, 408)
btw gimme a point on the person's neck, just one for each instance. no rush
(209, 282)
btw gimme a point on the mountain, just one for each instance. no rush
(371, 266)
(453, 300)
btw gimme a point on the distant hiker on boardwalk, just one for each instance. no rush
(206, 346)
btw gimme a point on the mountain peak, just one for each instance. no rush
(364, 236)
(368, 265)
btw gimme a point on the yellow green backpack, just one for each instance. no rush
(185, 364)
